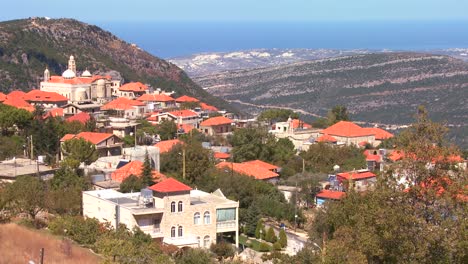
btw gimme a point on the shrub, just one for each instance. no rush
(283, 239)
(264, 247)
(222, 250)
(277, 246)
(270, 236)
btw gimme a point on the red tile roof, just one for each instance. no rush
(207, 107)
(346, 129)
(54, 112)
(333, 195)
(77, 80)
(297, 122)
(186, 99)
(170, 185)
(216, 121)
(43, 96)
(2, 97)
(263, 164)
(92, 137)
(326, 138)
(221, 155)
(166, 145)
(186, 127)
(356, 175)
(379, 133)
(372, 157)
(183, 113)
(133, 87)
(121, 103)
(18, 102)
(155, 98)
(17, 94)
(133, 168)
(258, 172)
(81, 117)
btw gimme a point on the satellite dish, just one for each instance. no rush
(336, 168)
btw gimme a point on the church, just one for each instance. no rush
(79, 89)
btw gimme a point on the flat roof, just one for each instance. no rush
(10, 169)
(200, 197)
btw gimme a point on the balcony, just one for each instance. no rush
(225, 226)
(153, 231)
(146, 210)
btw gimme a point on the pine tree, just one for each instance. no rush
(271, 237)
(283, 239)
(147, 172)
(258, 229)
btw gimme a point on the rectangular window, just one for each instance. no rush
(227, 214)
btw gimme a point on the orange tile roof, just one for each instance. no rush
(207, 107)
(326, 138)
(166, 145)
(263, 164)
(77, 80)
(183, 113)
(356, 175)
(18, 102)
(372, 157)
(92, 137)
(221, 155)
(155, 98)
(81, 117)
(43, 96)
(186, 99)
(133, 168)
(186, 127)
(54, 112)
(328, 194)
(133, 87)
(17, 94)
(346, 129)
(170, 185)
(379, 133)
(121, 103)
(2, 97)
(217, 121)
(258, 172)
(297, 122)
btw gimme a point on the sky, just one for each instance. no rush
(237, 10)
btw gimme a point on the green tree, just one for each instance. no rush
(271, 236)
(166, 130)
(26, 194)
(80, 149)
(11, 116)
(222, 250)
(252, 216)
(283, 239)
(259, 229)
(194, 256)
(131, 184)
(147, 172)
(277, 115)
(336, 114)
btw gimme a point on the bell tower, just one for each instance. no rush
(71, 64)
(46, 75)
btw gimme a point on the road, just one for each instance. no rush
(296, 241)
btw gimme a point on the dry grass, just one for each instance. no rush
(19, 245)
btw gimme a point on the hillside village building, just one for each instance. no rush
(79, 88)
(170, 211)
(106, 144)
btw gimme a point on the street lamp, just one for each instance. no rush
(322, 252)
(261, 232)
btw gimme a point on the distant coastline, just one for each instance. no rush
(174, 39)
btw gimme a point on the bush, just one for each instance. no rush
(264, 247)
(277, 246)
(81, 230)
(270, 236)
(222, 250)
(194, 256)
(283, 239)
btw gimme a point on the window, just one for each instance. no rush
(173, 231)
(180, 233)
(196, 219)
(198, 241)
(179, 206)
(172, 207)
(206, 241)
(207, 218)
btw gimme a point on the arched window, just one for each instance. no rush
(172, 207)
(196, 218)
(179, 206)
(181, 232)
(173, 231)
(206, 241)
(207, 218)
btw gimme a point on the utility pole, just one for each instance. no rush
(32, 148)
(42, 256)
(183, 163)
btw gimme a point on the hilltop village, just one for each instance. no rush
(94, 151)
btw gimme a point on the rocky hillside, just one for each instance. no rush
(27, 46)
(382, 88)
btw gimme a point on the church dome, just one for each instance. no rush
(68, 74)
(86, 73)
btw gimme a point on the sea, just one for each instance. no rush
(170, 39)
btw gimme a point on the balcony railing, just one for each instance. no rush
(153, 231)
(226, 224)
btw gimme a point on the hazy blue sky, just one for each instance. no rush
(263, 10)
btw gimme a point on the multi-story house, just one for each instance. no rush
(170, 211)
